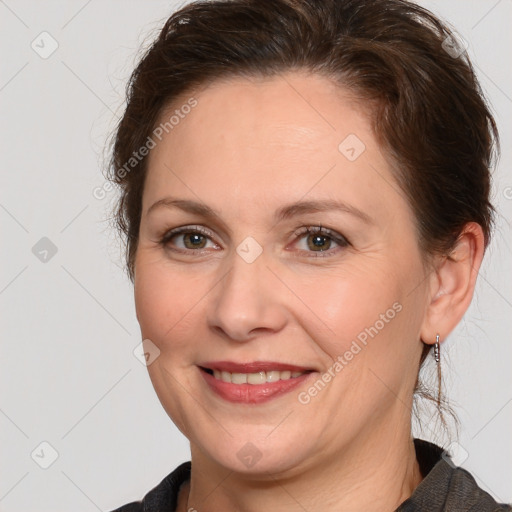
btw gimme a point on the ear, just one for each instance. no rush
(452, 284)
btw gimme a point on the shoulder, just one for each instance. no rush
(446, 487)
(463, 489)
(162, 497)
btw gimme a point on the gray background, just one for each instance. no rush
(68, 373)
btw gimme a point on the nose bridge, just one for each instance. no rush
(246, 299)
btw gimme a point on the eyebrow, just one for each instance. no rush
(284, 213)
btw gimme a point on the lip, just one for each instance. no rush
(253, 393)
(253, 367)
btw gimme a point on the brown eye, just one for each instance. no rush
(194, 240)
(319, 240)
(187, 239)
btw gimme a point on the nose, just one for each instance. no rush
(248, 301)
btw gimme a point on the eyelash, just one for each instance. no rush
(307, 230)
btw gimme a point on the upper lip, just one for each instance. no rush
(253, 367)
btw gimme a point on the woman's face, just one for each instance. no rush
(345, 305)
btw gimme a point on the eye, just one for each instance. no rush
(319, 240)
(189, 239)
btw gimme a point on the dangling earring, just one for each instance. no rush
(437, 349)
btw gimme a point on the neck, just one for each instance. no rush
(377, 477)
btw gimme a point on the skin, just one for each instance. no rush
(249, 147)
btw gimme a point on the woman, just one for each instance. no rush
(305, 195)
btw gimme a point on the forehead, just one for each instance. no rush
(259, 138)
(292, 109)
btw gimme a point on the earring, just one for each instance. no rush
(437, 349)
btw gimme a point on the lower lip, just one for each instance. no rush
(252, 393)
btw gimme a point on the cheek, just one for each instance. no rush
(369, 322)
(166, 303)
(346, 305)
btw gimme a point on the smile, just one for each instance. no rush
(259, 382)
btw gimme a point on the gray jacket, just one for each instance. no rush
(446, 487)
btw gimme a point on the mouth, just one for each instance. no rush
(254, 382)
(254, 373)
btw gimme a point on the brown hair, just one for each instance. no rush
(430, 114)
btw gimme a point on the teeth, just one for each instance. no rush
(273, 376)
(255, 378)
(239, 378)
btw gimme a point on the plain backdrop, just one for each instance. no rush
(74, 397)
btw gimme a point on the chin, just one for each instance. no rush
(252, 454)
